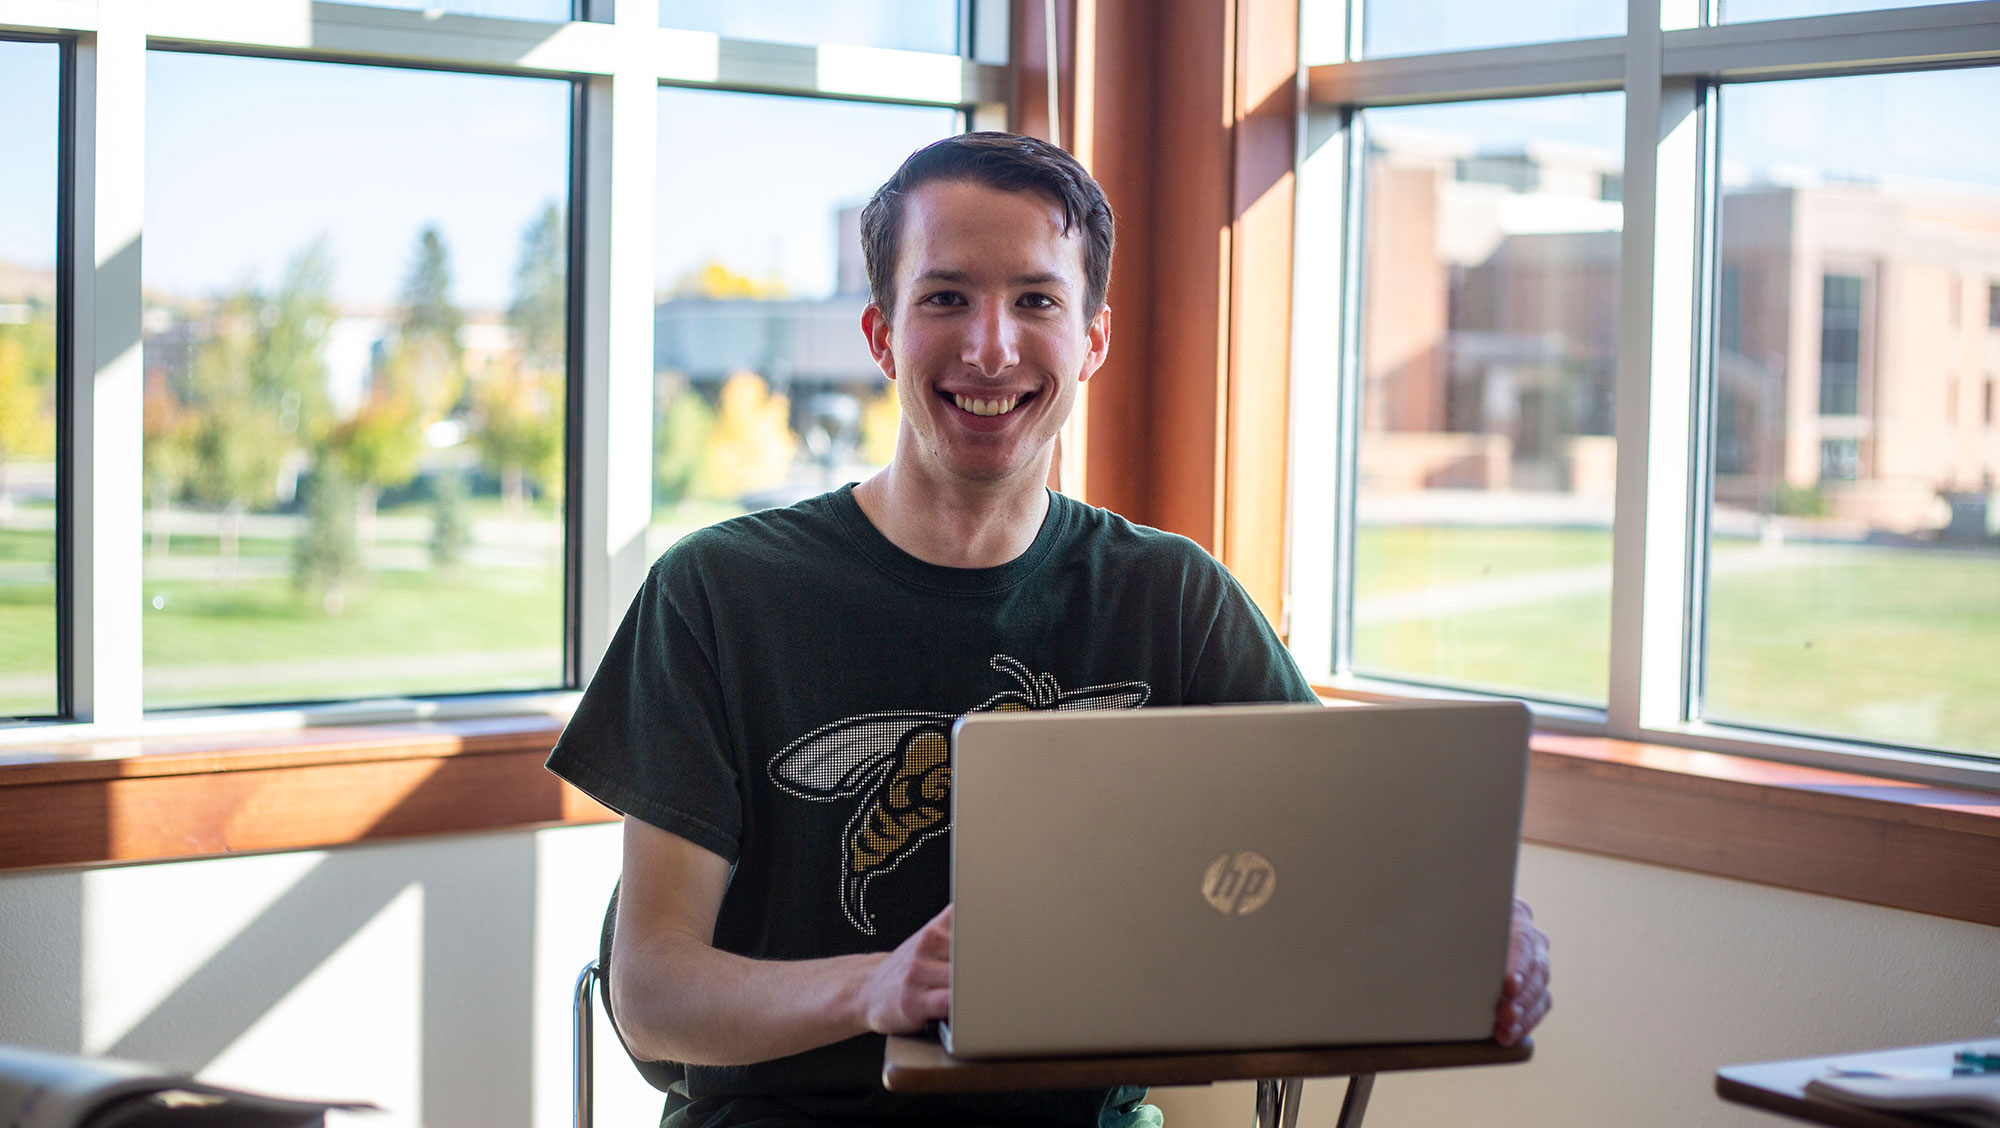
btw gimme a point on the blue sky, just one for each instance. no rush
(248, 160)
(28, 89)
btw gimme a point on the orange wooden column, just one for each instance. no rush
(1186, 110)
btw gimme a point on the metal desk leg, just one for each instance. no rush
(582, 1021)
(1278, 1102)
(1356, 1103)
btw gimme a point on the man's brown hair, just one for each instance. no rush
(1006, 161)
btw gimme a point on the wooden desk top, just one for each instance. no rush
(920, 1065)
(1779, 1086)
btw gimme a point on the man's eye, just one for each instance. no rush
(1038, 301)
(942, 298)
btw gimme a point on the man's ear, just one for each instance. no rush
(1098, 333)
(875, 327)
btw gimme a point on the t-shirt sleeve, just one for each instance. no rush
(1235, 655)
(651, 736)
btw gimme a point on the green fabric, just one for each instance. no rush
(780, 691)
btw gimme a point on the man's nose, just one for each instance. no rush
(990, 344)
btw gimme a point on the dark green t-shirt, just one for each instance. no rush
(780, 691)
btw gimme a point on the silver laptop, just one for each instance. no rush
(1235, 877)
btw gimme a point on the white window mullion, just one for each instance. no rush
(616, 427)
(1321, 444)
(1650, 557)
(106, 389)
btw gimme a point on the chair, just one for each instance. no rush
(659, 1074)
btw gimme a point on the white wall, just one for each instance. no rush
(434, 977)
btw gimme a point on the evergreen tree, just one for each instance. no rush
(451, 526)
(327, 560)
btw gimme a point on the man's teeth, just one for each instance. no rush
(985, 406)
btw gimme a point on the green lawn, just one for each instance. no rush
(1393, 558)
(1898, 645)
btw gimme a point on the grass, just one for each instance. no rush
(1888, 644)
(1396, 558)
(1898, 645)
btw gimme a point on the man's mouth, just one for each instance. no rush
(988, 407)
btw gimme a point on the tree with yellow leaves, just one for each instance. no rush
(752, 445)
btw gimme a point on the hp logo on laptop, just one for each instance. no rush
(1239, 884)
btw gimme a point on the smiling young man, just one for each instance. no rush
(772, 715)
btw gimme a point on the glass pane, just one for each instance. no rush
(1489, 341)
(1735, 11)
(552, 10)
(764, 391)
(29, 88)
(1412, 27)
(354, 352)
(1855, 559)
(906, 25)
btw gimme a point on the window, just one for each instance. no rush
(1389, 28)
(907, 25)
(1840, 345)
(374, 441)
(763, 394)
(1993, 305)
(1842, 595)
(29, 86)
(1766, 383)
(356, 316)
(1489, 341)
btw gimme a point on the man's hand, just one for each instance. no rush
(912, 984)
(1524, 996)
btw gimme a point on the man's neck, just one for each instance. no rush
(955, 525)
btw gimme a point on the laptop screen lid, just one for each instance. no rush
(1232, 877)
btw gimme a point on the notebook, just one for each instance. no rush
(1233, 877)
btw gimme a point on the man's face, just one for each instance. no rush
(989, 339)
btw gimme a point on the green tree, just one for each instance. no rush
(326, 561)
(238, 443)
(517, 406)
(540, 310)
(432, 363)
(517, 415)
(451, 526)
(168, 457)
(680, 443)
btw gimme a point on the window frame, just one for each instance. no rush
(1671, 64)
(616, 57)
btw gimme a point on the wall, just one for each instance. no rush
(433, 977)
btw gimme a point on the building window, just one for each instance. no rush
(30, 86)
(763, 394)
(1840, 344)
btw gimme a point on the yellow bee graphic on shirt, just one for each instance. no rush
(899, 763)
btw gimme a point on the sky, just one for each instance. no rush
(249, 160)
(770, 207)
(1402, 27)
(907, 25)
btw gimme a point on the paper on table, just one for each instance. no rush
(1971, 1099)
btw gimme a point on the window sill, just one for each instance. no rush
(184, 797)
(1913, 846)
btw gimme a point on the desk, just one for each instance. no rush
(1779, 1086)
(920, 1065)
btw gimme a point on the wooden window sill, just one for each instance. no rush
(1906, 845)
(185, 797)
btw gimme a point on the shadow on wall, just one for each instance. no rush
(474, 898)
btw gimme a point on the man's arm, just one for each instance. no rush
(678, 998)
